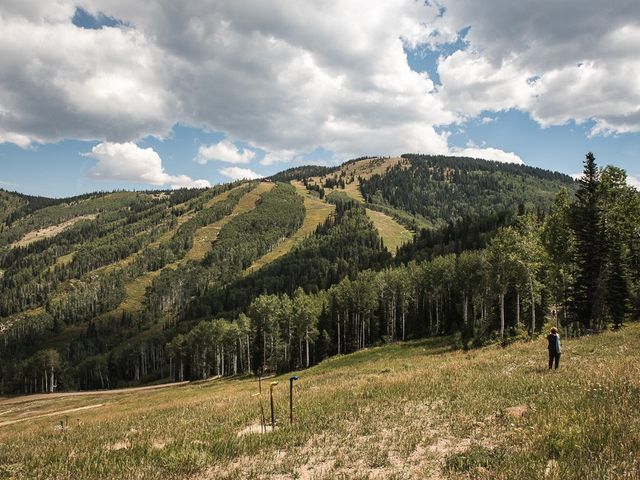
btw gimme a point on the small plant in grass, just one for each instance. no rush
(476, 456)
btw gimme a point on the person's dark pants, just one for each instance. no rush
(553, 356)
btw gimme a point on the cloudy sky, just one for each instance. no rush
(104, 94)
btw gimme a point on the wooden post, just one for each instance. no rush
(273, 415)
(262, 422)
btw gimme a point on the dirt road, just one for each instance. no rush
(48, 396)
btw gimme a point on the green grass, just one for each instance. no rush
(413, 410)
(392, 233)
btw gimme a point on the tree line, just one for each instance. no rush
(483, 279)
(578, 265)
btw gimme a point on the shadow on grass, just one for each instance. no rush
(429, 346)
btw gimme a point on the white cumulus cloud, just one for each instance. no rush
(128, 162)
(237, 173)
(574, 60)
(633, 181)
(488, 153)
(280, 76)
(224, 151)
(290, 77)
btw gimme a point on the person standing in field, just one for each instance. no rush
(554, 347)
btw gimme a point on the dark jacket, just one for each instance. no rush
(554, 343)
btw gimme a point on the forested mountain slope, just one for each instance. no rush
(121, 288)
(447, 189)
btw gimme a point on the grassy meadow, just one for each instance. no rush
(414, 410)
(393, 234)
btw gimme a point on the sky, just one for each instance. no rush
(114, 94)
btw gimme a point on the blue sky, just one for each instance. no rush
(121, 101)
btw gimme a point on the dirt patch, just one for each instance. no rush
(256, 428)
(50, 414)
(551, 470)
(122, 445)
(160, 443)
(317, 470)
(516, 411)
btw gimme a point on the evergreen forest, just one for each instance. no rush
(121, 288)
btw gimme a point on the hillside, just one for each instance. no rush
(443, 189)
(125, 288)
(406, 194)
(412, 411)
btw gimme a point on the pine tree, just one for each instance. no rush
(586, 223)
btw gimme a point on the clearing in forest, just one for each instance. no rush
(135, 291)
(372, 166)
(7, 322)
(411, 410)
(62, 261)
(205, 236)
(316, 212)
(353, 190)
(392, 233)
(202, 240)
(365, 169)
(50, 231)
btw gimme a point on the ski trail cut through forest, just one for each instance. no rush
(316, 212)
(205, 236)
(136, 288)
(164, 238)
(202, 240)
(393, 234)
(50, 231)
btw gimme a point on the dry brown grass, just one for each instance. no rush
(392, 233)
(367, 168)
(405, 411)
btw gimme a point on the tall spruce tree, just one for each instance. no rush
(586, 223)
